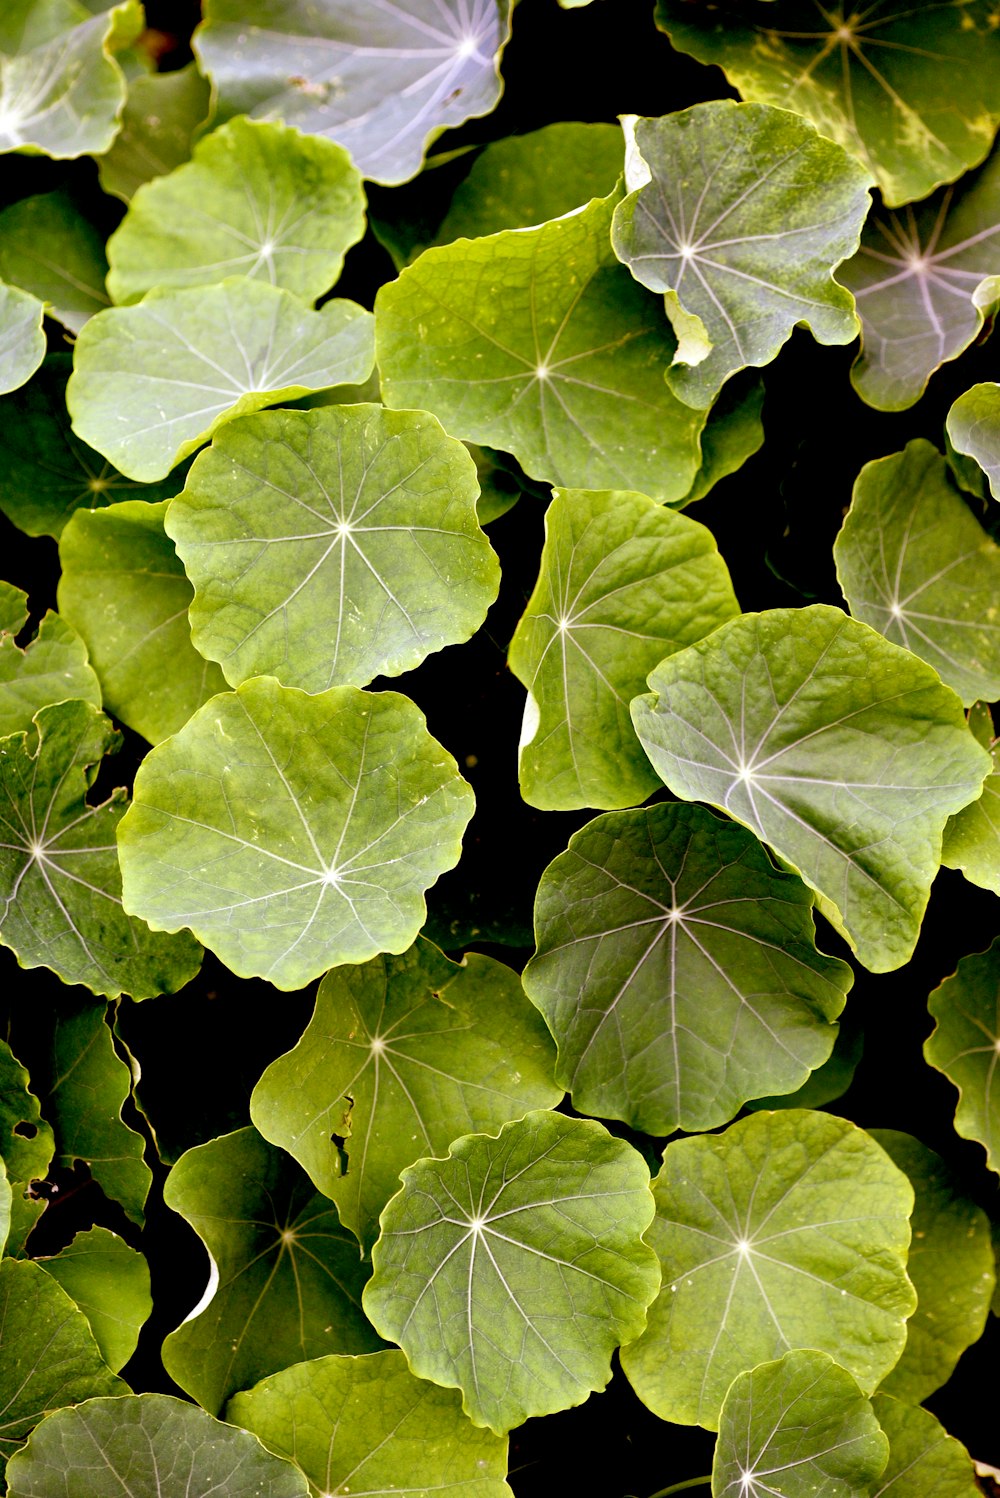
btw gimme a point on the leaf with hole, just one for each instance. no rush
(26, 1141)
(965, 1045)
(49, 247)
(974, 430)
(110, 1283)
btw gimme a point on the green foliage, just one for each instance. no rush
(965, 1045)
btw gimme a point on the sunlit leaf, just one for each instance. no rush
(965, 1045)
(972, 836)
(974, 429)
(22, 342)
(6, 1198)
(923, 1458)
(51, 668)
(158, 126)
(26, 1142)
(110, 1283)
(50, 248)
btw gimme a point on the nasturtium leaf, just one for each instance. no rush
(366, 1425)
(110, 1283)
(50, 248)
(146, 1444)
(623, 582)
(48, 1357)
(538, 342)
(59, 874)
(61, 90)
(499, 489)
(972, 836)
(26, 1142)
(880, 80)
(158, 127)
(914, 563)
(922, 284)
(257, 199)
(512, 1269)
(842, 751)
(123, 588)
(733, 433)
(332, 546)
(6, 1199)
(293, 833)
(52, 668)
(382, 80)
(286, 1279)
(152, 382)
(829, 1081)
(402, 1055)
(739, 214)
(25, 1210)
(797, 1427)
(950, 1264)
(974, 429)
(923, 1459)
(965, 1045)
(678, 970)
(22, 342)
(788, 1230)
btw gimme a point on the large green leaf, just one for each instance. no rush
(623, 582)
(26, 1141)
(328, 547)
(950, 1264)
(383, 80)
(538, 342)
(797, 1427)
(59, 874)
(292, 832)
(678, 970)
(50, 248)
(143, 1445)
(739, 214)
(48, 1357)
(52, 668)
(843, 752)
(124, 589)
(402, 1055)
(286, 1277)
(22, 342)
(366, 1425)
(152, 382)
(915, 564)
(924, 1461)
(972, 836)
(110, 1283)
(881, 79)
(512, 1269)
(158, 125)
(974, 429)
(965, 1045)
(257, 199)
(788, 1230)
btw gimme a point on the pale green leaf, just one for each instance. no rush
(286, 1278)
(51, 668)
(402, 1055)
(158, 127)
(924, 1461)
(328, 547)
(6, 1200)
(293, 833)
(972, 836)
(50, 248)
(22, 342)
(537, 342)
(965, 1045)
(678, 970)
(974, 429)
(788, 1230)
(739, 214)
(26, 1142)
(842, 751)
(513, 1268)
(623, 582)
(110, 1283)
(152, 382)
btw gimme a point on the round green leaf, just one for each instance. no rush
(152, 382)
(286, 1278)
(622, 583)
(48, 247)
(972, 836)
(257, 199)
(366, 1425)
(739, 214)
(145, 1444)
(915, 564)
(974, 429)
(328, 547)
(110, 1283)
(26, 1142)
(158, 126)
(843, 752)
(514, 1268)
(51, 668)
(797, 1427)
(402, 1054)
(923, 1458)
(788, 1230)
(678, 970)
(538, 342)
(294, 832)
(22, 342)
(965, 1045)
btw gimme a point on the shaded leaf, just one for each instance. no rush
(974, 429)
(965, 1045)
(158, 126)
(923, 1458)
(110, 1283)
(22, 342)
(732, 434)
(6, 1199)
(50, 248)
(51, 668)
(829, 1081)
(972, 836)
(26, 1141)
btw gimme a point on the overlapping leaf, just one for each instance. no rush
(26, 1142)
(923, 1458)
(158, 126)
(22, 342)
(50, 248)
(52, 668)
(110, 1283)
(733, 432)
(974, 429)
(965, 1045)
(972, 836)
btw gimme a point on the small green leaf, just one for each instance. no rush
(146, 1444)
(678, 970)
(52, 668)
(400, 1056)
(294, 832)
(739, 214)
(286, 1279)
(974, 429)
(538, 342)
(158, 127)
(512, 1269)
(923, 1459)
(916, 565)
(152, 382)
(972, 836)
(366, 1425)
(788, 1230)
(50, 248)
(110, 1283)
(797, 1427)
(965, 1045)
(22, 342)
(623, 582)
(258, 200)
(843, 752)
(26, 1141)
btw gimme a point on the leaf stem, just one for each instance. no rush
(682, 1487)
